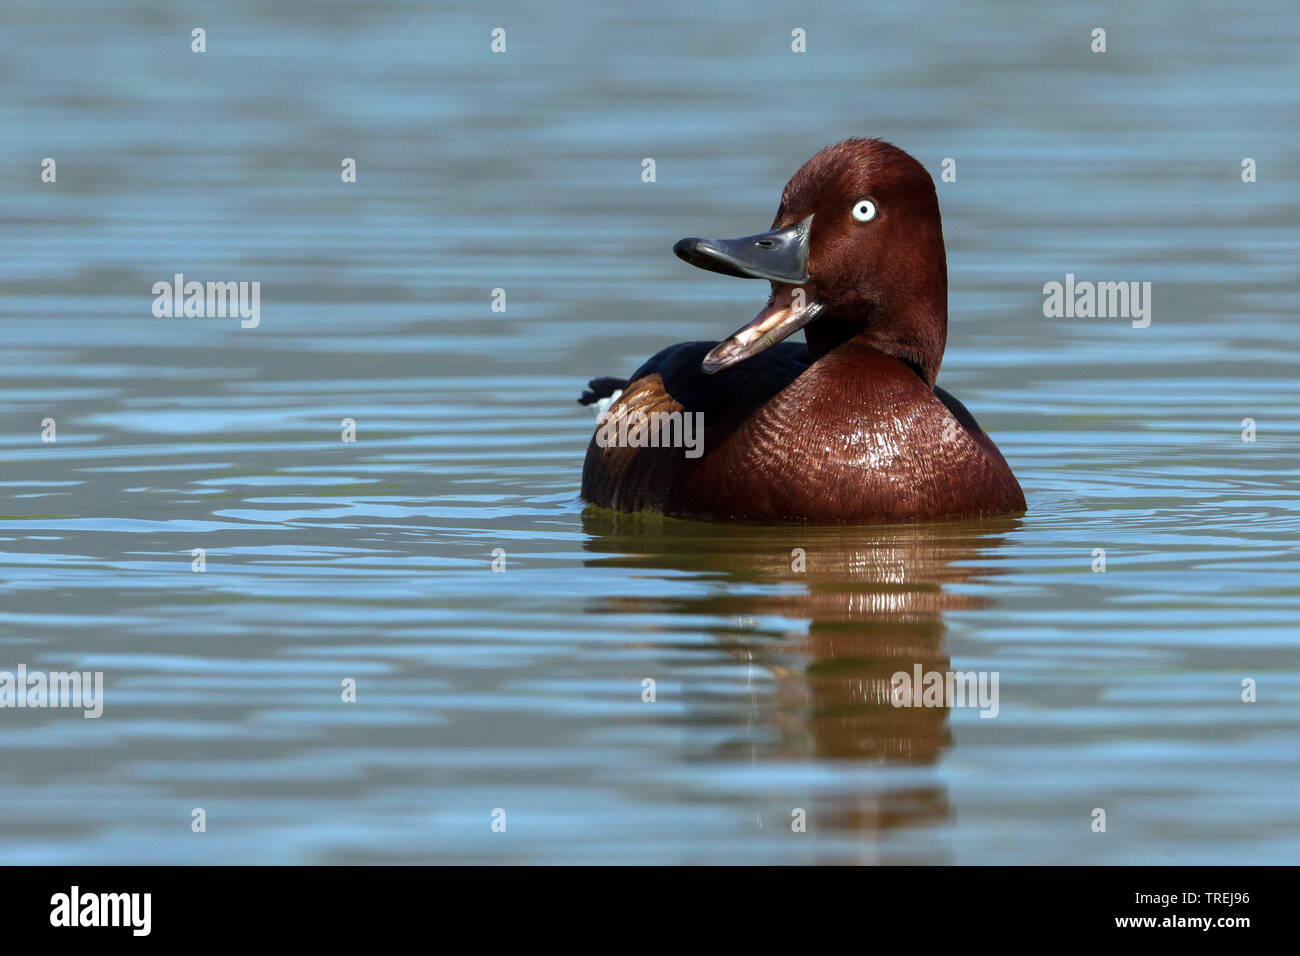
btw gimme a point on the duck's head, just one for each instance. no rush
(856, 251)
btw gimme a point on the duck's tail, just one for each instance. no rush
(599, 388)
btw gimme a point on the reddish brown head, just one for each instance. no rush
(856, 251)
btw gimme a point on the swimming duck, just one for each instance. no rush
(849, 428)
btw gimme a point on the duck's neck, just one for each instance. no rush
(828, 332)
(915, 335)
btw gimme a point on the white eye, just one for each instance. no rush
(864, 211)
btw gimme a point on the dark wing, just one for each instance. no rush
(750, 383)
(959, 411)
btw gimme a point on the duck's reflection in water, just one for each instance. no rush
(874, 600)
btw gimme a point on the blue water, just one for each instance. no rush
(522, 690)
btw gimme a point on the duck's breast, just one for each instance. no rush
(857, 438)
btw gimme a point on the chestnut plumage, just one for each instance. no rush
(847, 429)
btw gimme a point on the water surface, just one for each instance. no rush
(522, 689)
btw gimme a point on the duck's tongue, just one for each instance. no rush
(788, 311)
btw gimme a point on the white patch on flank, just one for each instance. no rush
(603, 404)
